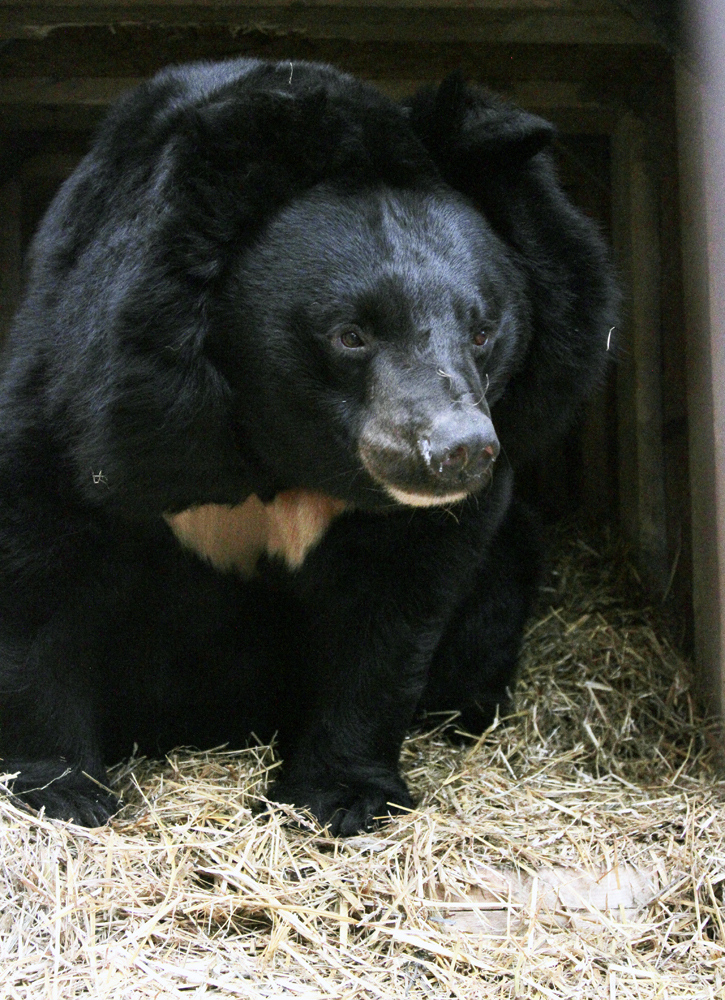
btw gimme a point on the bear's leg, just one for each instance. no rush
(49, 724)
(474, 667)
(146, 645)
(380, 590)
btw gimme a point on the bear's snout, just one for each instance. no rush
(459, 448)
(450, 457)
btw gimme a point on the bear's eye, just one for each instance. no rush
(484, 333)
(351, 337)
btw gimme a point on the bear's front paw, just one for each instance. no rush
(347, 807)
(83, 807)
(63, 792)
(472, 722)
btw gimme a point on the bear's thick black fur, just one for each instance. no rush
(246, 464)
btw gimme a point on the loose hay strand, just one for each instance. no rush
(577, 849)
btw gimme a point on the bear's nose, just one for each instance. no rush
(459, 448)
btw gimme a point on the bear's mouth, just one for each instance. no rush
(418, 499)
(414, 477)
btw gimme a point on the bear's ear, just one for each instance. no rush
(270, 128)
(238, 158)
(252, 149)
(469, 129)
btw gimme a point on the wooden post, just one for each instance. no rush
(702, 202)
(635, 223)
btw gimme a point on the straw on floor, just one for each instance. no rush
(576, 850)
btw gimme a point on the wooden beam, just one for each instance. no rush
(59, 105)
(702, 202)
(42, 92)
(639, 387)
(539, 21)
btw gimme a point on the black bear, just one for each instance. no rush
(247, 479)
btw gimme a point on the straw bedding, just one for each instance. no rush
(576, 850)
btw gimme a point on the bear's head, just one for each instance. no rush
(372, 331)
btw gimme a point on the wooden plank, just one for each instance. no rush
(702, 203)
(543, 22)
(119, 8)
(44, 91)
(75, 105)
(639, 381)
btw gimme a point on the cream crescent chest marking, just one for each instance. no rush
(233, 538)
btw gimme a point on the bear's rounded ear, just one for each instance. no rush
(270, 126)
(467, 128)
(239, 157)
